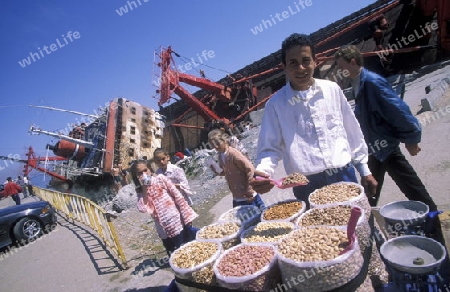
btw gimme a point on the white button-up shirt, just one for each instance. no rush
(177, 176)
(310, 134)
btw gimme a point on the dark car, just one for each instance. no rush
(2, 191)
(24, 223)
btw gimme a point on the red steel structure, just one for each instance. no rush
(170, 79)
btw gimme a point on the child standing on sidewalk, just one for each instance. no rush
(158, 196)
(237, 169)
(173, 172)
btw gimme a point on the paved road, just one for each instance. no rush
(71, 258)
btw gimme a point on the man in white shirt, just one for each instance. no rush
(25, 186)
(311, 127)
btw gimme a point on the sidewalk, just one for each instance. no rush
(7, 202)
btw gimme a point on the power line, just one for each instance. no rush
(14, 105)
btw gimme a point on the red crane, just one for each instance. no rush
(33, 161)
(170, 80)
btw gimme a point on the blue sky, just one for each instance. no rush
(82, 54)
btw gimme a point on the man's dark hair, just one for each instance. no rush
(9, 178)
(296, 39)
(160, 151)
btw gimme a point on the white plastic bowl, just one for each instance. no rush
(409, 213)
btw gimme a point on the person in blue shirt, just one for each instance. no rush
(386, 121)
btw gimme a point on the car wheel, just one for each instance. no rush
(27, 229)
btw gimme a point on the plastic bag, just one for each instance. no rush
(248, 215)
(316, 275)
(199, 258)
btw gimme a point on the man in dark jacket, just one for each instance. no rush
(12, 189)
(386, 121)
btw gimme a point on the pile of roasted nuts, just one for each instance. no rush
(294, 179)
(267, 232)
(205, 275)
(338, 192)
(194, 254)
(218, 230)
(311, 244)
(282, 210)
(331, 216)
(245, 260)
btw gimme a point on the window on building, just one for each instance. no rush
(131, 152)
(133, 110)
(132, 141)
(132, 130)
(133, 120)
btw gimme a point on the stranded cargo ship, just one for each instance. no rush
(123, 132)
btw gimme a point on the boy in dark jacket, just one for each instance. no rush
(386, 121)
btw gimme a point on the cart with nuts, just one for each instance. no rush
(312, 250)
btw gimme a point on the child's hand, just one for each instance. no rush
(261, 186)
(214, 170)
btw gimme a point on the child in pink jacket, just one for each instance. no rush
(167, 206)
